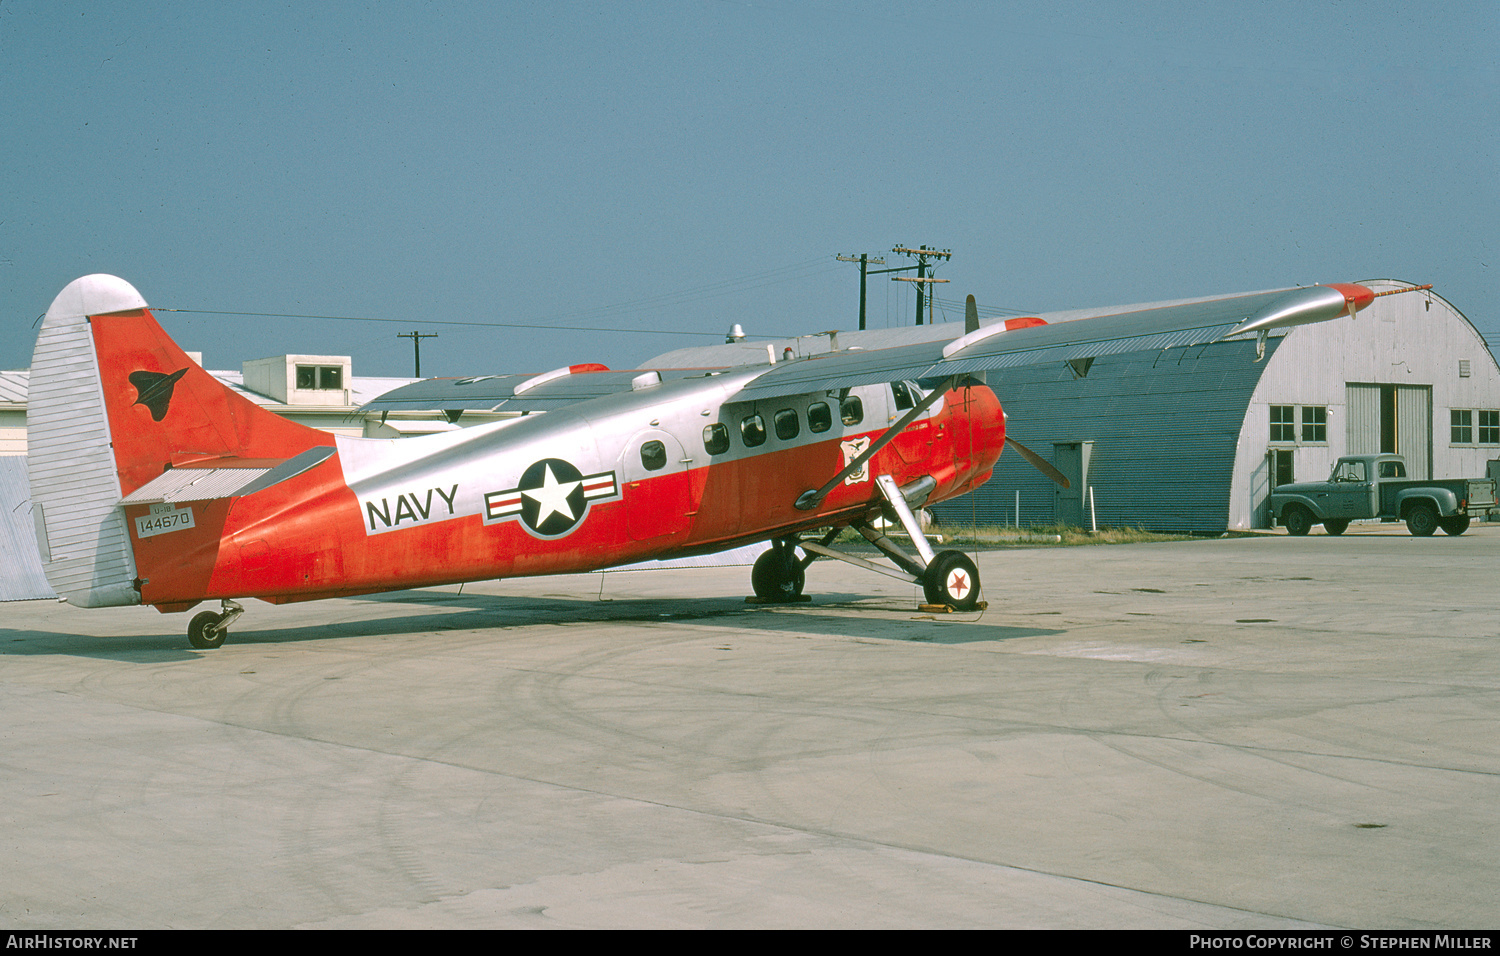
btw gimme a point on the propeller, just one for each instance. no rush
(1038, 462)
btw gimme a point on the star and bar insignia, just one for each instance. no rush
(551, 499)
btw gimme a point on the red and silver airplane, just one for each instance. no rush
(154, 484)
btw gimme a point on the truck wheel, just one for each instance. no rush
(1336, 525)
(1455, 524)
(1298, 520)
(1422, 519)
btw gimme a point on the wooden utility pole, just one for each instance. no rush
(923, 283)
(416, 344)
(865, 262)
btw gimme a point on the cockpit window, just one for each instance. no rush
(902, 391)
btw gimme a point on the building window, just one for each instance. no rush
(1283, 423)
(1489, 426)
(1315, 423)
(320, 377)
(1462, 422)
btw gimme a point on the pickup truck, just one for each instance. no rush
(1376, 486)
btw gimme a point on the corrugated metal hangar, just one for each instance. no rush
(1195, 439)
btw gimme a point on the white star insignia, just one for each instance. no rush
(552, 497)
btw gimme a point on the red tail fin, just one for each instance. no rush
(113, 403)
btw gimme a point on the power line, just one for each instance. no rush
(483, 325)
(717, 289)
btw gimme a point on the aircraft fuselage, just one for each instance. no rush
(666, 470)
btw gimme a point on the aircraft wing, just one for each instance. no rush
(990, 347)
(523, 392)
(995, 347)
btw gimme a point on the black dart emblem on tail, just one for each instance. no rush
(155, 390)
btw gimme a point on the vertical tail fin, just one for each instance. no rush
(113, 402)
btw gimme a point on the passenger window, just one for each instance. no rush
(715, 438)
(753, 431)
(852, 410)
(654, 455)
(1392, 469)
(819, 417)
(787, 425)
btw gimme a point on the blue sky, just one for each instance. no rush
(661, 170)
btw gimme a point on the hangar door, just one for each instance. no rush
(1391, 419)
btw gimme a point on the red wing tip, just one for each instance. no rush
(1356, 297)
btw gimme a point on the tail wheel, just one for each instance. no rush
(206, 632)
(778, 575)
(952, 579)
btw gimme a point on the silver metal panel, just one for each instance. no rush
(194, 484)
(21, 576)
(1414, 429)
(1362, 419)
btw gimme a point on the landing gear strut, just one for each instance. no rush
(208, 629)
(948, 577)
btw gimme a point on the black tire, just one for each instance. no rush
(1422, 519)
(778, 575)
(203, 632)
(1298, 520)
(952, 579)
(1336, 525)
(1454, 524)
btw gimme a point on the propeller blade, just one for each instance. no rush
(971, 315)
(1038, 462)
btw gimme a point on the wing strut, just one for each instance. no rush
(810, 499)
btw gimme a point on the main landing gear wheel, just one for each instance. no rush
(1336, 525)
(952, 579)
(778, 574)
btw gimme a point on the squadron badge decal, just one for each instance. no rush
(552, 498)
(154, 390)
